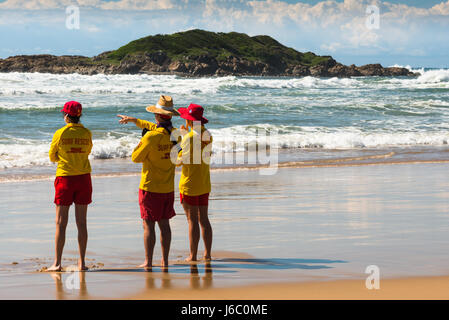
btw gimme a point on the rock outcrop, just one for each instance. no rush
(160, 63)
(200, 53)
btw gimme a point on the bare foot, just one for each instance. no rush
(146, 266)
(190, 259)
(54, 268)
(82, 266)
(164, 264)
(207, 258)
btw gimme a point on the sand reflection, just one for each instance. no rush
(70, 286)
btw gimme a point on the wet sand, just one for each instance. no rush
(418, 288)
(302, 233)
(200, 283)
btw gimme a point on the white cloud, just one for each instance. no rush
(324, 12)
(330, 12)
(347, 20)
(34, 4)
(332, 47)
(90, 28)
(229, 15)
(441, 9)
(138, 5)
(99, 4)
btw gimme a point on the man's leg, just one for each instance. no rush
(81, 223)
(206, 231)
(62, 217)
(149, 239)
(164, 226)
(194, 229)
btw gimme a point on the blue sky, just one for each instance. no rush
(409, 33)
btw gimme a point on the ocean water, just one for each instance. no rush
(308, 118)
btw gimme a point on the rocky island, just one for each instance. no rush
(200, 53)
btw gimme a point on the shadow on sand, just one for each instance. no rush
(201, 273)
(226, 265)
(276, 263)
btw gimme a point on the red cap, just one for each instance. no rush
(194, 112)
(72, 108)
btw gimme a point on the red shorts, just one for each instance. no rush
(201, 200)
(73, 189)
(156, 206)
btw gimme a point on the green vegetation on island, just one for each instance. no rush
(194, 43)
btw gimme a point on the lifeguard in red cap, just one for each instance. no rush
(195, 186)
(70, 148)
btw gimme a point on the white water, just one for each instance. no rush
(38, 84)
(365, 112)
(234, 139)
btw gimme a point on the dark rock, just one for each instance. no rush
(158, 57)
(203, 65)
(328, 63)
(378, 70)
(395, 71)
(371, 69)
(300, 71)
(319, 71)
(236, 66)
(177, 66)
(341, 71)
(132, 64)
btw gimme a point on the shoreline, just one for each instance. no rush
(322, 163)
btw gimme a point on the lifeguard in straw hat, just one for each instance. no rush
(156, 189)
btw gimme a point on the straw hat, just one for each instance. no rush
(164, 106)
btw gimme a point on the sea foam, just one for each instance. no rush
(235, 139)
(41, 85)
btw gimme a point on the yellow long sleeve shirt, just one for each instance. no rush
(70, 148)
(195, 159)
(153, 151)
(143, 124)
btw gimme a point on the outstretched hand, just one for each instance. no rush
(125, 119)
